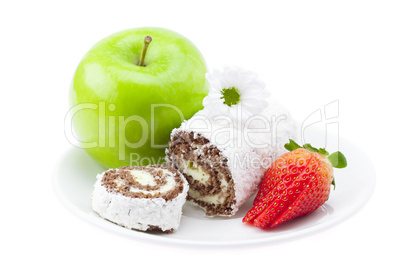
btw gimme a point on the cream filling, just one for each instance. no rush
(145, 178)
(213, 199)
(198, 174)
(190, 168)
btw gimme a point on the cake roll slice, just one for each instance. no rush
(223, 162)
(145, 198)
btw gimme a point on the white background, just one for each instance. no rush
(310, 53)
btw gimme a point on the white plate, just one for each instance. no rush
(74, 178)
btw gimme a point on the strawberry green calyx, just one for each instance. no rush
(337, 159)
(292, 145)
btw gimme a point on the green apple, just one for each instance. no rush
(127, 95)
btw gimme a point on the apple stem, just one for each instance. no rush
(147, 41)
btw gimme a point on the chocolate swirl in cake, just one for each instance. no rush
(130, 182)
(206, 170)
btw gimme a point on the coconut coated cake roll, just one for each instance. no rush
(224, 162)
(143, 198)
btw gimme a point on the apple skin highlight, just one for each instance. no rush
(124, 113)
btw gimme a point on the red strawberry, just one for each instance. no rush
(296, 184)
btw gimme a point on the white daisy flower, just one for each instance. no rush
(235, 92)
